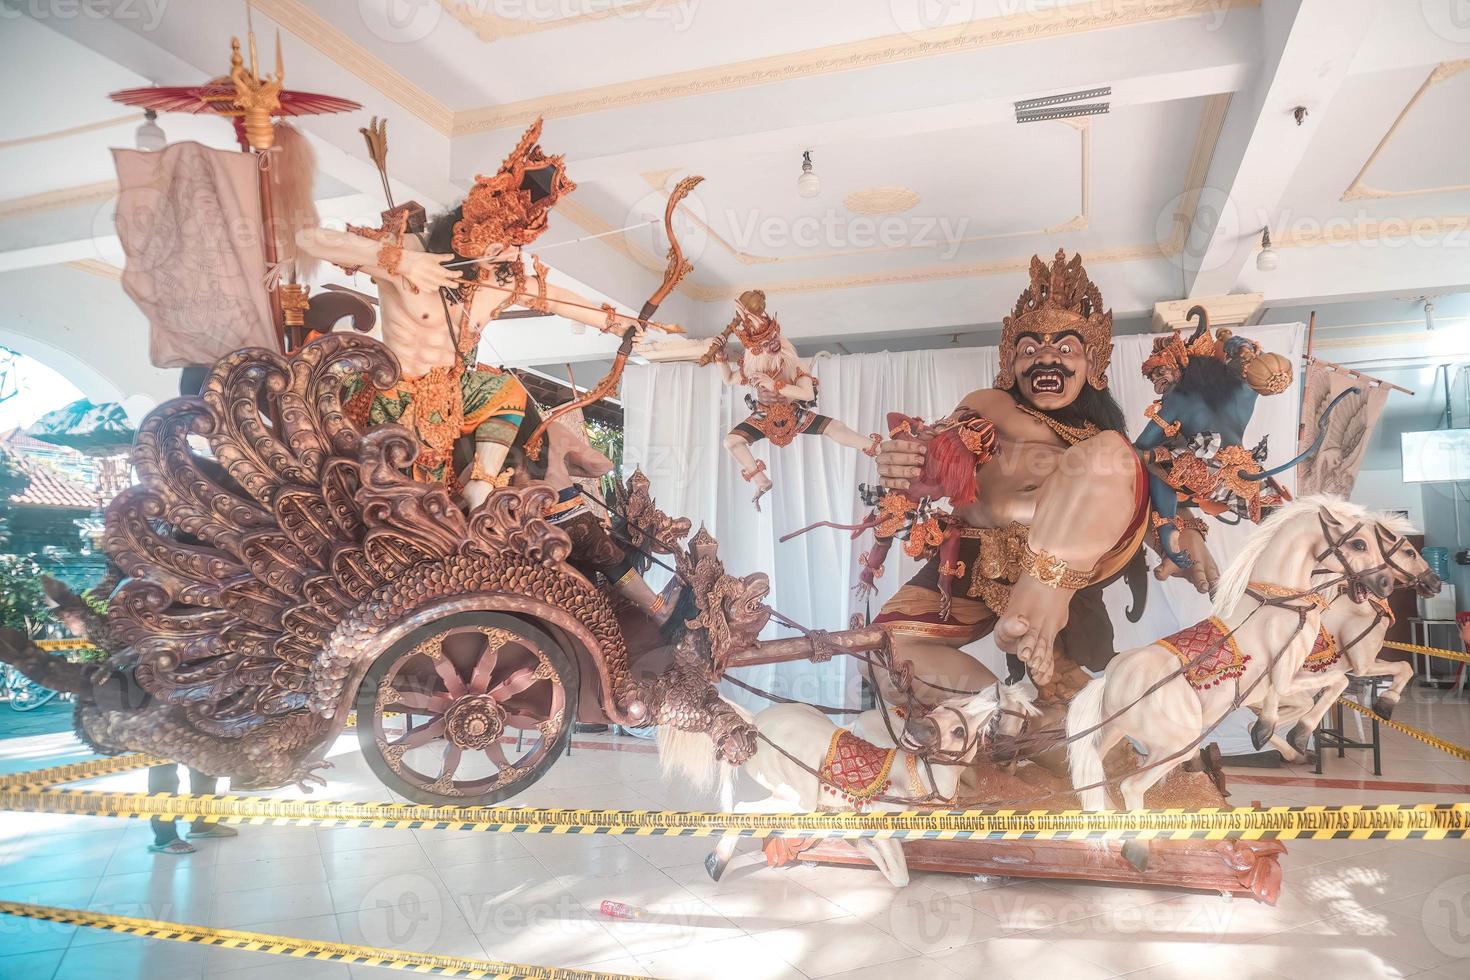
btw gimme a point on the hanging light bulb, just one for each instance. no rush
(808, 184)
(149, 136)
(1267, 259)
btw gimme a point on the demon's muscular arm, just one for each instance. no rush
(1078, 501)
(901, 460)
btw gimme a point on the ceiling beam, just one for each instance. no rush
(1187, 58)
(1307, 47)
(1373, 268)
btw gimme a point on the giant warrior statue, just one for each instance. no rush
(1060, 506)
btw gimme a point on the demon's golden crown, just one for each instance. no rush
(1059, 298)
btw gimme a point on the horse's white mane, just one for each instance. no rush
(1233, 583)
(1020, 696)
(1397, 524)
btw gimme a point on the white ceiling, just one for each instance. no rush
(1368, 198)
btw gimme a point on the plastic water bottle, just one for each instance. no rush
(1438, 560)
(617, 910)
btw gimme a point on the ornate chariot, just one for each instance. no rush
(286, 572)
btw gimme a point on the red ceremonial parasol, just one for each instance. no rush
(218, 96)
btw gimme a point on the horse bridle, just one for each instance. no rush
(1399, 541)
(1346, 576)
(981, 736)
(950, 757)
(1400, 573)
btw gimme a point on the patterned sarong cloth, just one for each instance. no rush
(855, 770)
(1324, 653)
(441, 406)
(1221, 661)
(781, 422)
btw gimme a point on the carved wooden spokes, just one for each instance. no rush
(449, 709)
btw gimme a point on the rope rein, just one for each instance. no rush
(825, 649)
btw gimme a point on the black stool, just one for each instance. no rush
(1366, 690)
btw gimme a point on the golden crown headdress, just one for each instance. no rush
(1168, 351)
(1172, 350)
(511, 206)
(1060, 297)
(753, 325)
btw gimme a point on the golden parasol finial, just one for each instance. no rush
(257, 98)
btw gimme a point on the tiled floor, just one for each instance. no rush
(1348, 909)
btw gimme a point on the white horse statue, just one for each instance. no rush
(1015, 703)
(830, 768)
(1166, 696)
(1350, 642)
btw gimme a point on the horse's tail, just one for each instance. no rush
(1083, 757)
(727, 789)
(691, 755)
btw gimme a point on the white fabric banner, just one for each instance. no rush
(677, 415)
(188, 218)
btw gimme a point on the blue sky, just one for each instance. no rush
(37, 389)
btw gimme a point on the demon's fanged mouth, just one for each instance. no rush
(1046, 381)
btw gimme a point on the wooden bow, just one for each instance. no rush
(678, 267)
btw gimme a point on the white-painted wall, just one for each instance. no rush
(1386, 490)
(87, 329)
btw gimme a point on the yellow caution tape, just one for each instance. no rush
(1388, 821)
(50, 645)
(1458, 751)
(1441, 652)
(310, 949)
(70, 773)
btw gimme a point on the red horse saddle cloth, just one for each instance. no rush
(855, 770)
(1324, 653)
(1212, 651)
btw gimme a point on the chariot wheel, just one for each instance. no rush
(469, 709)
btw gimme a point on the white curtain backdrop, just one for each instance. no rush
(677, 415)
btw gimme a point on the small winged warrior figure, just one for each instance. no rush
(954, 447)
(784, 394)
